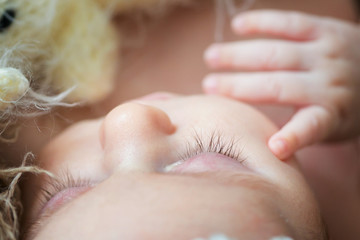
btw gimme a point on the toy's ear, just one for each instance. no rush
(13, 85)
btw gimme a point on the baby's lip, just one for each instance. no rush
(207, 162)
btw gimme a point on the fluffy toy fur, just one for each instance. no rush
(56, 45)
(61, 48)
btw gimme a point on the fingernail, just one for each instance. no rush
(210, 84)
(279, 147)
(212, 55)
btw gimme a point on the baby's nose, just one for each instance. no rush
(134, 136)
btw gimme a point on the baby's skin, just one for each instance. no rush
(310, 63)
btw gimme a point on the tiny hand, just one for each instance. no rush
(313, 64)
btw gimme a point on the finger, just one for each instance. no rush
(258, 55)
(279, 87)
(283, 24)
(309, 125)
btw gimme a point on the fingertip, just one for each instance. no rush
(212, 56)
(280, 148)
(210, 84)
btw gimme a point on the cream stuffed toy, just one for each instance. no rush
(66, 49)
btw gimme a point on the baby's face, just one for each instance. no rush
(170, 167)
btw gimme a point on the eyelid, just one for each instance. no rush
(53, 186)
(62, 181)
(216, 142)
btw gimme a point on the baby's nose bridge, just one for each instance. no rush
(134, 136)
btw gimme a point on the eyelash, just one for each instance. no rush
(53, 186)
(216, 143)
(64, 181)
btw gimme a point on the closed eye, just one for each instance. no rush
(216, 142)
(64, 186)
